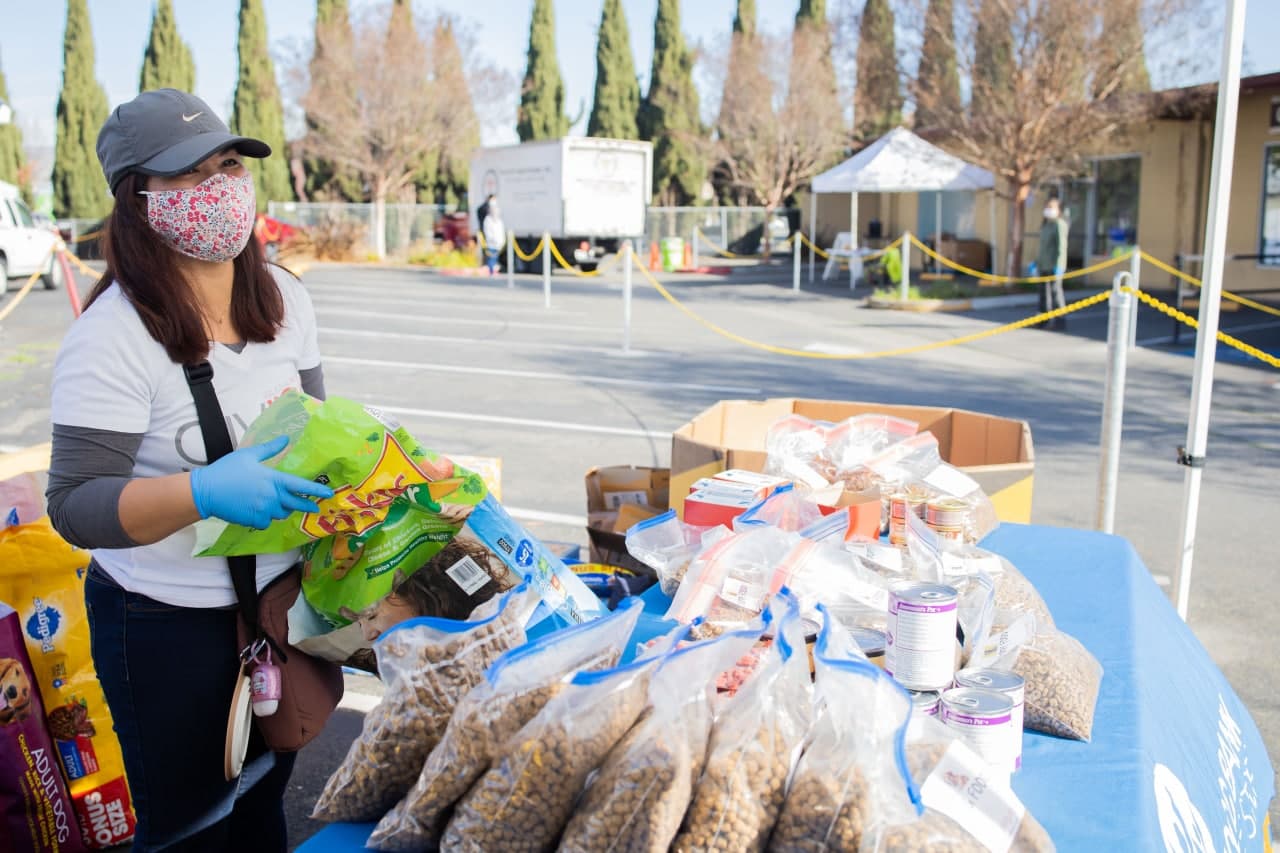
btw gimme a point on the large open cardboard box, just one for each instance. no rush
(995, 451)
(612, 491)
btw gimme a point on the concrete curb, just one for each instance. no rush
(986, 303)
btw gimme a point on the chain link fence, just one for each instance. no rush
(407, 229)
(739, 230)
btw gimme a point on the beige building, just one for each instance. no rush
(1149, 185)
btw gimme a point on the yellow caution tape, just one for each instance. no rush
(537, 250)
(21, 294)
(1033, 320)
(555, 253)
(1004, 279)
(870, 256)
(84, 268)
(1226, 294)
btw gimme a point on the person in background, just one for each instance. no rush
(495, 234)
(185, 283)
(1052, 260)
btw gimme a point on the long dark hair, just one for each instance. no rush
(151, 276)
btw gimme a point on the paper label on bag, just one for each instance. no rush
(951, 481)
(1018, 634)
(886, 556)
(468, 575)
(957, 565)
(748, 596)
(615, 500)
(961, 788)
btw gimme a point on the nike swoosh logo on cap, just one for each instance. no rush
(186, 117)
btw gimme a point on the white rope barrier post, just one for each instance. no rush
(904, 294)
(511, 263)
(696, 247)
(546, 270)
(795, 261)
(626, 295)
(813, 232)
(1113, 401)
(1135, 273)
(1215, 250)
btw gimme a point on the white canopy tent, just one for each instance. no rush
(899, 162)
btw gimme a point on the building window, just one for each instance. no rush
(1116, 184)
(1269, 233)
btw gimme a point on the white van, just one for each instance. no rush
(25, 247)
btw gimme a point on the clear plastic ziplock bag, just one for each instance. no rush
(821, 572)
(526, 797)
(1013, 593)
(786, 509)
(966, 808)
(794, 446)
(729, 584)
(854, 441)
(636, 801)
(667, 545)
(1062, 678)
(514, 689)
(852, 769)
(754, 744)
(427, 665)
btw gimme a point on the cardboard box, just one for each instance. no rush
(710, 507)
(615, 493)
(995, 451)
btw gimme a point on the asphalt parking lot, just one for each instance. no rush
(474, 368)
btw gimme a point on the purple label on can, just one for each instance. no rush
(922, 608)
(969, 720)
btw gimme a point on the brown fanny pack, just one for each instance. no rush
(310, 688)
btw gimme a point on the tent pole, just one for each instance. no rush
(1215, 244)
(937, 228)
(853, 235)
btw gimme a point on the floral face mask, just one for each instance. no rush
(211, 221)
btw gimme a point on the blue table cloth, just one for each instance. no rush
(1176, 761)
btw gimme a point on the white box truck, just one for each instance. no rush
(580, 190)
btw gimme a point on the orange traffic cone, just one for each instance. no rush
(688, 256)
(654, 259)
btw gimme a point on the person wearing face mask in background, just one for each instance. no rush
(1052, 260)
(184, 282)
(495, 234)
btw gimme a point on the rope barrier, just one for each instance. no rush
(555, 253)
(84, 268)
(1226, 294)
(870, 256)
(84, 238)
(21, 294)
(537, 250)
(1026, 322)
(1004, 279)
(721, 250)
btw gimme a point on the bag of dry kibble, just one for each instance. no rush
(754, 743)
(637, 799)
(428, 665)
(514, 689)
(524, 800)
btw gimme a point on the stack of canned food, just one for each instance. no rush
(984, 707)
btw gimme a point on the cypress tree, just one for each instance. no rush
(167, 62)
(811, 12)
(811, 22)
(938, 80)
(258, 111)
(669, 115)
(1122, 53)
(877, 104)
(79, 189)
(541, 114)
(12, 160)
(993, 60)
(617, 96)
(453, 168)
(333, 37)
(744, 19)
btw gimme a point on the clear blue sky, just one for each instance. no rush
(31, 43)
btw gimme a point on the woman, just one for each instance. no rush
(184, 282)
(495, 235)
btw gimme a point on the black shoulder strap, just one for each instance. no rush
(217, 443)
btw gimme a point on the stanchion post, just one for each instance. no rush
(906, 266)
(1135, 273)
(546, 270)
(511, 262)
(1113, 401)
(795, 261)
(69, 282)
(694, 242)
(627, 256)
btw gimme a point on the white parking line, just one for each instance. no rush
(587, 378)
(492, 343)
(361, 702)
(530, 301)
(562, 426)
(452, 320)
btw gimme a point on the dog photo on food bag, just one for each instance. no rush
(15, 692)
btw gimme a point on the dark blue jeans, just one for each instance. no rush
(168, 674)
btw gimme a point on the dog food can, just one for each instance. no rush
(871, 642)
(920, 643)
(983, 719)
(925, 702)
(999, 681)
(947, 517)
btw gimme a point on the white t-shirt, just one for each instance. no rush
(111, 374)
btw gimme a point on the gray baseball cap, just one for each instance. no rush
(165, 132)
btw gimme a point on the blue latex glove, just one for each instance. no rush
(1032, 269)
(240, 489)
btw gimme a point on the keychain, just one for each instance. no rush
(264, 681)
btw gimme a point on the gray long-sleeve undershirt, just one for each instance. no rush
(90, 468)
